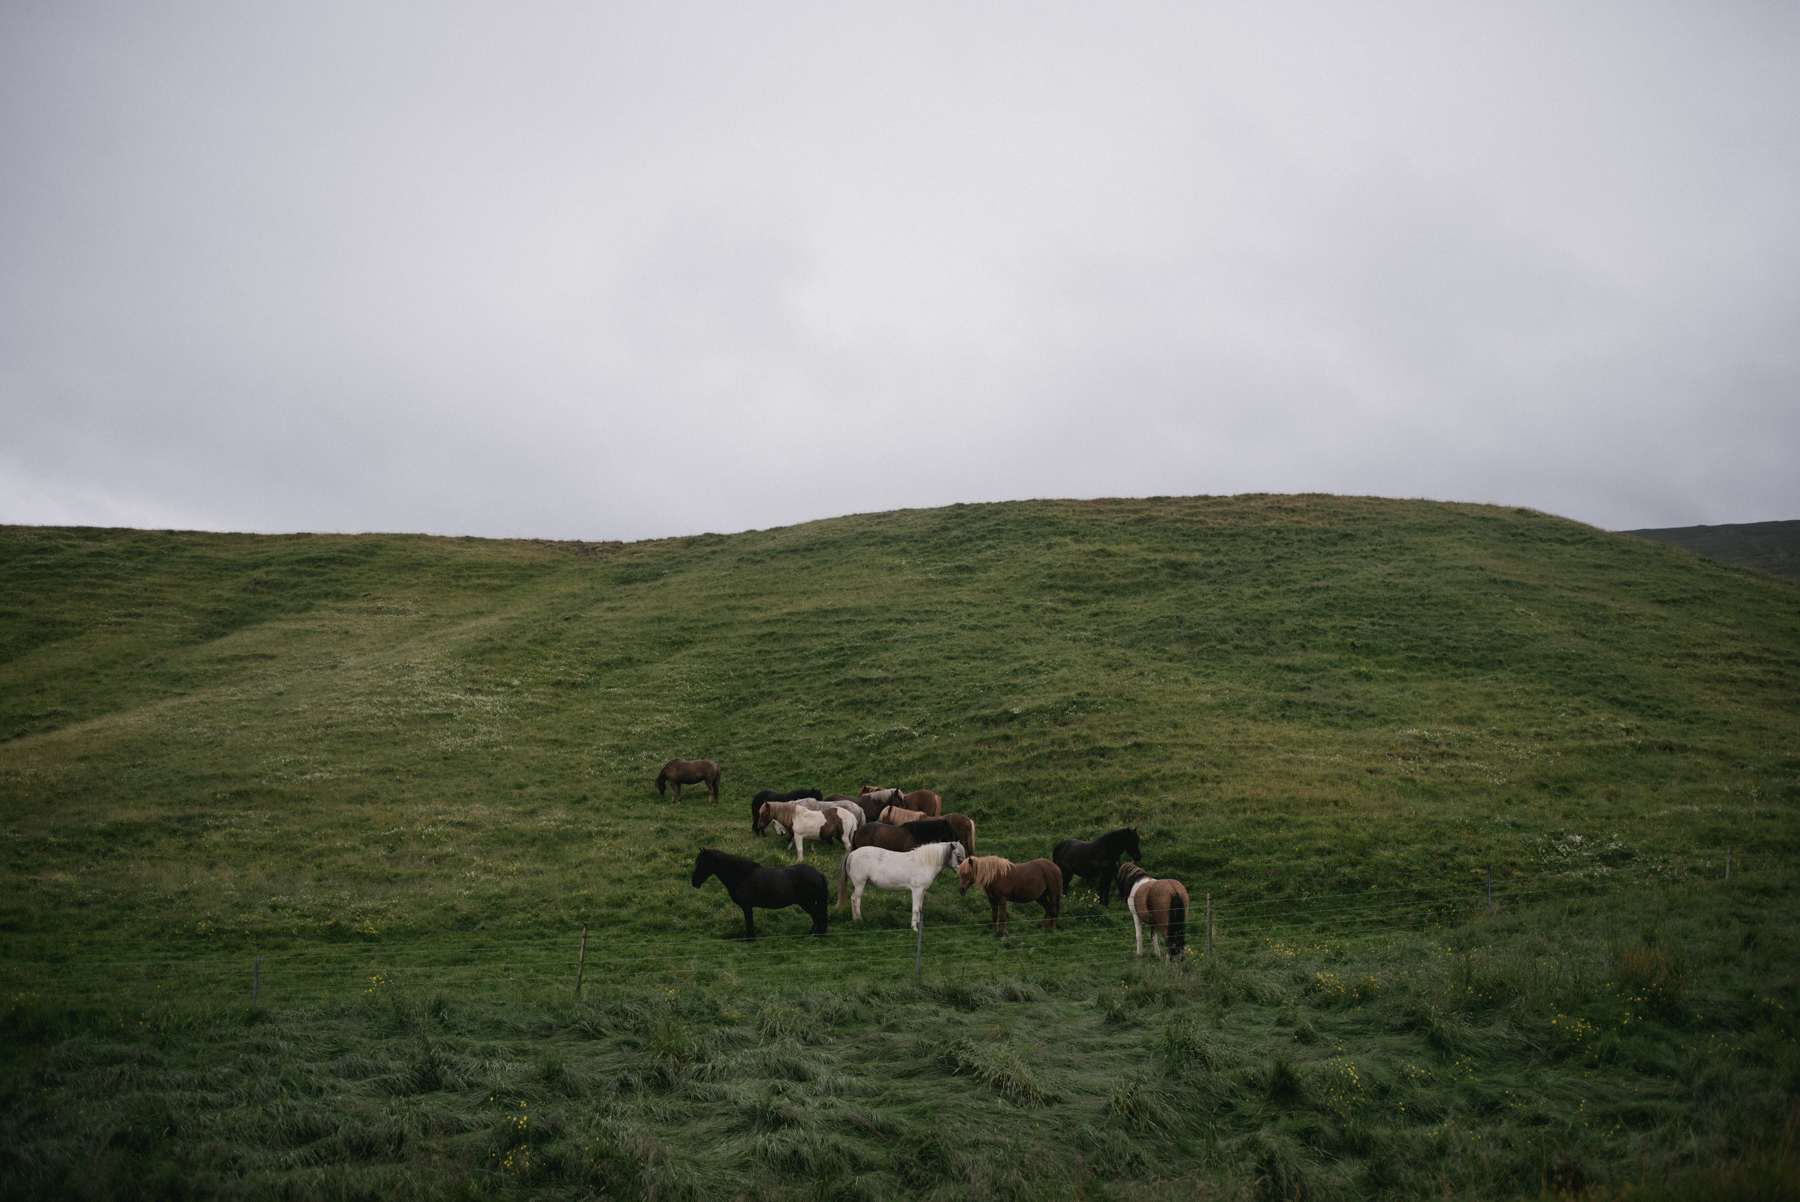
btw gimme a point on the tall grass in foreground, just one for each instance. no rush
(1620, 1044)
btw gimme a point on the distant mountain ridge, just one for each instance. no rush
(1772, 547)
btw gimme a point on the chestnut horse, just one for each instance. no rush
(689, 772)
(924, 801)
(1039, 881)
(1163, 904)
(895, 815)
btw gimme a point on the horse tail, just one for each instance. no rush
(1175, 934)
(844, 881)
(971, 823)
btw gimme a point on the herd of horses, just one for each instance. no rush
(902, 841)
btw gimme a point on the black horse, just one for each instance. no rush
(772, 795)
(752, 884)
(1096, 861)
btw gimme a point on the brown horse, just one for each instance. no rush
(898, 814)
(1039, 881)
(924, 801)
(951, 828)
(875, 795)
(689, 772)
(1163, 904)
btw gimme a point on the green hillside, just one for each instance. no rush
(405, 771)
(1772, 547)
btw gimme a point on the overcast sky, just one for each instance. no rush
(619, 271)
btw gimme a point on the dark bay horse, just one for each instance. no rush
(752, 884)
(1097, 861)
(689, 772)
(772, 795)
(1039, 881)
(951, 828)
(1163, 904)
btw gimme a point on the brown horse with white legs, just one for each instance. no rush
(689, 772)
(1039, 881)
(1163, 904)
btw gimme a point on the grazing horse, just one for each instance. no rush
(936, 830)
(914, 870)
(1096, 861)
(689, 772)
(1039, 881)
(924, 801)
(1163, 904)
(876, 796)
(751, 884)
(895, 815)
(806, 824)
(772, 795)
(951, 828)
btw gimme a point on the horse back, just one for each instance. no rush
(923, 800)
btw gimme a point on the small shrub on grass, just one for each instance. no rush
(1658, 975)
(1135, 1102)
(1001, 1068)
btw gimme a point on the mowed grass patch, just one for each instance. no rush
(395, 763)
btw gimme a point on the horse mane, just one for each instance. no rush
(987, 868)
(727, 859)
(1113, 839)
(931, 830)
(1129, 875)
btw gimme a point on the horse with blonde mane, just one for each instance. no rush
(1037, 881)
(1161, 903)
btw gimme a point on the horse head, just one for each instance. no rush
(764, 815)
(956, 857)
(965, 876)
(1131, 843)
(703, 866)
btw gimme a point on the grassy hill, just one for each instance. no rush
(1772, 547)
(404, 771)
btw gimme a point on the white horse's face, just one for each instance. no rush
(957, 855)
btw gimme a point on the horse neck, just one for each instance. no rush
(730, 870)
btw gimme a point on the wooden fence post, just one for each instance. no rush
(580, 961)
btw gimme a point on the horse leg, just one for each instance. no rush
(856, 901)
(1106, 880)
(995, 907)
(918, 907)
(799, 846)
(749, 925)
(1137, 924)
(1005, 930)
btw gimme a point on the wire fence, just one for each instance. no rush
(594, 962)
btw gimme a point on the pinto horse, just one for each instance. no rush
(876, 796)
(772, 795)
(906, 836)
(914, 870)
(1163, 904)
(689, 772)
(751, 884)
(1096, 861)
(805, 823)
(1039, 881)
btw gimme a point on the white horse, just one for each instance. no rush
(914, 870)
(806, 824)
